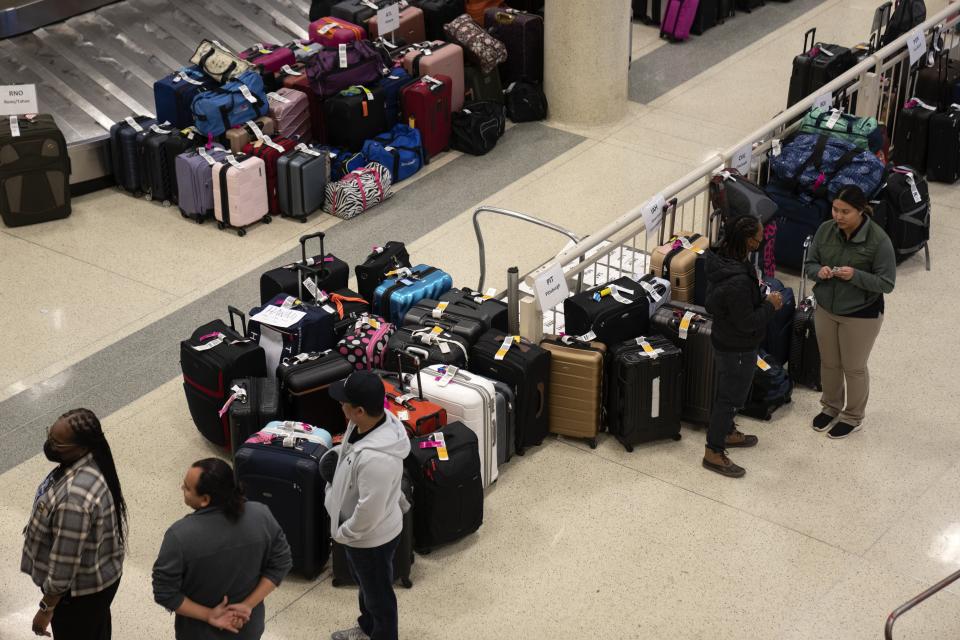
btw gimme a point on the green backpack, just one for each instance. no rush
(865, 133)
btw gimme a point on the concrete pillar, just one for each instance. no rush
(586, 53)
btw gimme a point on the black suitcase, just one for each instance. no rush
(830, 63)
(320, 8)
(437, 13)
(448, 494)
(256, 401)
(466, 303)
(349, 306)
(699, 370)
(287, 279)
(613, 312)
(526, 368)
(124, 153)
(748, 5)
(34, 171)
(936, 85)
(288, 481)
(355, 115)
(902, 208)
(770, 390)
(708, 16)
(522, 33)
(425, 314)
(155, 169)
(804, 364)
(643, 396)
(381, 261)
(305, 381)
(647, 11)
(213, 356)
(943, 148)
(426, 346)
(802, 68)
(911, 137)
(402, 559)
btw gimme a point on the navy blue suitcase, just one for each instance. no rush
(124, 152)
(313, 332)
(798, 216)
(174, 94)
(780, 327)
(392, 86)
(288, 481)
(394, 296)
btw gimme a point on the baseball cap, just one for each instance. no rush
(361, 389)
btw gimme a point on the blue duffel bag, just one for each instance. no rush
(236, 102)
(821, 165)
(394, 296)
(400, 150)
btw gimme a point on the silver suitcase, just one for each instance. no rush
(302, 177)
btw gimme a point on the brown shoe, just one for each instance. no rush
(737, 439)
(720, 463)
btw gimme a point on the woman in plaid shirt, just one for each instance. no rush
(74, 542)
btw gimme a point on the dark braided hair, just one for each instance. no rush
(736, 233)
(217, 481)
(88, 433)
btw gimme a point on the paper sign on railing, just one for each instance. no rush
(653, 213)
(551, 287)
(824, 101)
(916, 45)
(388, 19)
(741, 159)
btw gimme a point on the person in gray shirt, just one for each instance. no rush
(218, 564)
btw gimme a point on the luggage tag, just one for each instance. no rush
(650, 289)
(254, 129)
(14, 127)
(402, 272)
(685, 324)
(245, 90)
(370, 4)
(447, 374)
(589, 336)
(239, 393)
(648, 349)
(762, 364)
(182, 75)
(913, 188)
(777, 148)
(305, 149)
(273, 95)
(343, 56)
(206, 346)
(327, 28)
(505, 347)
(206, 156)
(599, 295)
(439, 309)
(287, 69)
(615, 292)
(685, 243)
(438, 442)
(289, 302)
(133, 123)
(834, 119)
(233, 161)
(156, 129)
(273, 145)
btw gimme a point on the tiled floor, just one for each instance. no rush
(820, 540)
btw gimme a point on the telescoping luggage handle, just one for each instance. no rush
(803, 270)
(416, 362)
(671, 208)
(233, 312)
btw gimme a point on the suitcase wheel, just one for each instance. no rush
(628, 447)
(267, 219)
(148, 197)
(335, 582)
(220, 226)
(593, 443)
(241, 232)
(166, 203)
(405, 582)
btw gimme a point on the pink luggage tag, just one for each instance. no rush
(239, 393)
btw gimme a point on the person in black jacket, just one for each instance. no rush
(740, 315)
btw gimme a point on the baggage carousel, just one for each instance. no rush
(94, 67)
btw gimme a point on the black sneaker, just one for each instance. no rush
(822, 421)
(842, 430)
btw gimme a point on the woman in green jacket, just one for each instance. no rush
(852, 262)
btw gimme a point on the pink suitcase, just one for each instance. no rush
(291, 111)
(412, 26)
(438, 58)
(678, 19)
(333, 31)
(240, 193)
(270, 58)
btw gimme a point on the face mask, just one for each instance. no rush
(52, 454)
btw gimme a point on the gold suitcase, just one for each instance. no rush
(576, 386)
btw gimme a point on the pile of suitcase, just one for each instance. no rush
(679, 18)
(333, 121)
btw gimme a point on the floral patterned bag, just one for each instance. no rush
(478, 45)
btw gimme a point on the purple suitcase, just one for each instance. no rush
(522, 33)
(678, 19)
(195, 182)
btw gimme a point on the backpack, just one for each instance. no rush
(771, 388)
(907, 15)
(902, 209)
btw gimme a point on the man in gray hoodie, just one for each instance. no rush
(364, 500)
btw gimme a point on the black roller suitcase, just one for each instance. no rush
(804, 364)
(644, 384)
(402, 559)
(465, 303)
(34, 171)
(213, 356)
(355, 115)
(699, 370)
(943, 148)
(124, 152)
(708, 16)
(305, 381)
(522, 33)
(288, 481)
(155, 168)
(426, 346)
(526, 368)
(448, 494)
(256, 401)
(613, 312)
(349, 308)
(173, 146)
(425, 315)
(287, 279)
(911, 137)
(903, 209)
(437, 13)
(381, 261)
(748, 5)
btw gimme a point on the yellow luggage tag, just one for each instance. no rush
(685, 243)
(763, 364)
(648, 349)
(685, 324)
(442, 449)
(505, 347)
(439, 309)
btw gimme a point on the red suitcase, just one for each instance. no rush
(270, 150)
(426, 106)
(419, 416)
(438, 58)
(333, 31)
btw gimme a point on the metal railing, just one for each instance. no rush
(910, 604)
(877, 87)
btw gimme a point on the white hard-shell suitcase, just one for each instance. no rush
(240, 193)
(470, 399)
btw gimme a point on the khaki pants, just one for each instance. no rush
(845, 345)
